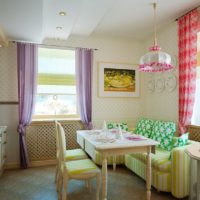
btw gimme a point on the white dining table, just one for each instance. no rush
(107, 144)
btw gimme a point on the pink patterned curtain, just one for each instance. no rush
(187, 32)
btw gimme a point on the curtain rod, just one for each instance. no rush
(187, 13)
(51, 45)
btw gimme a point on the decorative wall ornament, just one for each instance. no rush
(159, 84)
(170, 82)
(151, 85)
(175, 62)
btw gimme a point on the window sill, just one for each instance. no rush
(51, 120)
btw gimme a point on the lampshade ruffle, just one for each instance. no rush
(156, 61)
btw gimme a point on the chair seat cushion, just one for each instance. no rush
(75, 154)
(76, 167)
(160, 160)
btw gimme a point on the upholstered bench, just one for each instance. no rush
(170, 164)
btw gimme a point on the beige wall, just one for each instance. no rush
(164, 104)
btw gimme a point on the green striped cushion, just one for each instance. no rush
(75, 154)
(80, 166)
(160, 180)
(160, 160)
(180, 172)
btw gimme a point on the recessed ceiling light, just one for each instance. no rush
(59, 27)
(62, 13)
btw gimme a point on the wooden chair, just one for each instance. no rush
(69, 155)
(78, 169)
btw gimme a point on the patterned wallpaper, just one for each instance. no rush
(161, 89)
(8, 73)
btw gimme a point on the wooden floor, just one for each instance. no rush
(38, 184)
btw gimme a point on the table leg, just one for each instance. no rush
(198, 180)
(148, 174)
(104, 177)
(114, 162)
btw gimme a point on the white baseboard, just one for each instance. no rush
(42, 163)
(32, 164)
(12, 165)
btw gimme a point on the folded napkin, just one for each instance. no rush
(135, 137)
(104, 139)
(93, 132)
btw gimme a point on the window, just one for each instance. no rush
(196, 111)
(56, 89)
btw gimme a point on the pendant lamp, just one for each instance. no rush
(155, 60)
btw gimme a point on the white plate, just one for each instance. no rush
(93, 132)
(170, 82)
(159, 84)
(151, 85)
(105, 140)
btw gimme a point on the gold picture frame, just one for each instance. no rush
(118, 80)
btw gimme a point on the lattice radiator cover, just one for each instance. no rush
(194, 132)
(41, 140)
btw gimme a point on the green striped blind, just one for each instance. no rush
(56, 79)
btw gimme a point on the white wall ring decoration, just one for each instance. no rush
(151, 85)
(170, 82)
(159, 84)
(174, 62)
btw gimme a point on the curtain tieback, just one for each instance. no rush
(21, 129)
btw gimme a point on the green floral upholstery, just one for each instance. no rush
(113, 125)
(163, 132)
(144, 127)
(180, 141)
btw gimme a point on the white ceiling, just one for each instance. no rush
(35, 20)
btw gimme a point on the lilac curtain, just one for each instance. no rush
(27, 55)
(84, 58)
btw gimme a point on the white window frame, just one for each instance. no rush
(57, 117)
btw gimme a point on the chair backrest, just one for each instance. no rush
(61, 142)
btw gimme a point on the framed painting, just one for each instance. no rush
(118, 80)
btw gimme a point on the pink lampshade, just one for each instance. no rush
(155, 60)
